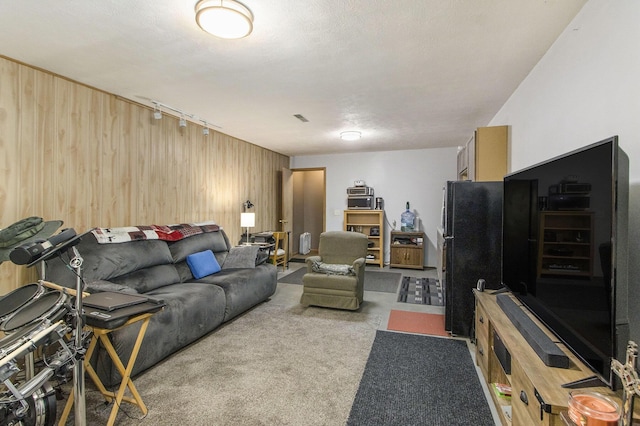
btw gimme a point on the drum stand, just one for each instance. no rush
(79, 349)
(78, 368)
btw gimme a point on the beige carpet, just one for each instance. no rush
(278, 364)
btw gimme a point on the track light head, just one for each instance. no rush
(157, 114)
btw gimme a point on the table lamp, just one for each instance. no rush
(247, 220)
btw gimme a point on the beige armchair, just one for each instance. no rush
(335, 278)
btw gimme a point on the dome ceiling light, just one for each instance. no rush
(224, 18)
(351, 135)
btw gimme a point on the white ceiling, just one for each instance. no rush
(408, 74)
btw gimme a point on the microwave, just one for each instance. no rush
(360, 202)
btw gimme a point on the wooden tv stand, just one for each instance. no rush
(530, 379)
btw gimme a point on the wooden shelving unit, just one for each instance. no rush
(364, 221)
(407, 250)
(566, 244)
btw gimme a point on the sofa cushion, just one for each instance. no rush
(244, 288)
(107, 261)
(202, 264)
(241, 257)
(217, 242)
(148, 279)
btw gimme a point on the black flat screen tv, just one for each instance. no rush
(564, 249)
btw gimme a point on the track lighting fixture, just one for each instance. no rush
(157, 114)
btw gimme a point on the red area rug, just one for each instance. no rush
(417, 322)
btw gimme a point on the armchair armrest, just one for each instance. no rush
(359, 264)
(310, 261)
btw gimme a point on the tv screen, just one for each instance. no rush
(561, 248)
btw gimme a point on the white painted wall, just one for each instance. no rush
(417, 176)
(585, 89)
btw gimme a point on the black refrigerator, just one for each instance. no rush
(472, 246)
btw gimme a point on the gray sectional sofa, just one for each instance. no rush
(158, 269)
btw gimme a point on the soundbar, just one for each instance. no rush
(541, 344)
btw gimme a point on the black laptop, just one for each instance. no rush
(111, 300)
(114, 319)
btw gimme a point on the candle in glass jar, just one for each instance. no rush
(593, 409)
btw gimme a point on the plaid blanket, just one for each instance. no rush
(152, 232)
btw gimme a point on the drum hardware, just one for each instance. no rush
(40, 321)
(28, 340)
(13, 302)
(33, 402)
(78, 368)
(41, 409)
(77, 319)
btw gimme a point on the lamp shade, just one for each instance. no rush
(224, 18)
(247, 220)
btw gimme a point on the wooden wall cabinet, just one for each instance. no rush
(407, 250)
(484, 157)
(364, 221)
(538, 397)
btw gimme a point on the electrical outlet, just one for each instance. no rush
(393, 225)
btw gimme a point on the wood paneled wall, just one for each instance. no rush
(89, 158)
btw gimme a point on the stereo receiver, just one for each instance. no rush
(359, 190)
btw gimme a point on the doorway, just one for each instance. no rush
(309, 212)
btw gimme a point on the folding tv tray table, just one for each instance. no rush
(102, 323)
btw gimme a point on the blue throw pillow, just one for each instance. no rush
(202, 264)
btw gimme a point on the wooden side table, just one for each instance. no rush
(102, 335)
(407, 250)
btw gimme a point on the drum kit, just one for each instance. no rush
(43, 342)
(33, 319)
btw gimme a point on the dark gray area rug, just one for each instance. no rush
(385, 282)
(421, 291)
(419, 380)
